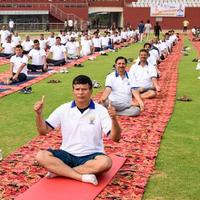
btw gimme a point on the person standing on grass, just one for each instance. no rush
(157, 30)
(18, 67)
(147, 29)
(82, 121)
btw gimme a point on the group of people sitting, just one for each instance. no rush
(82, 121)
(196, 33)
(40, 53)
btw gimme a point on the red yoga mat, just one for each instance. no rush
(68, 189)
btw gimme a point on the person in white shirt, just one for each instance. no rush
(27, 44)
(147, 29)
(118, 91)
(43, 42)
(38, 57)
(82, 122)
(51, 40)
(70, 24)
(104, 41)
(7, 49)
(143, 77)
(16, 39)
(11, 25)
(96, 42)
(63, 38)
(86, 46)
(73, 51)
(58, 52)
(18, 67)
(4, 34)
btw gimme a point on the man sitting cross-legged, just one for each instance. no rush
(118, 91)
(38, 57)
(143, 77)
(18, 67)
(81, 155)
(59, 54)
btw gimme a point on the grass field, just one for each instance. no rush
(177, 175)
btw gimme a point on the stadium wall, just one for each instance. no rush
(134, 15)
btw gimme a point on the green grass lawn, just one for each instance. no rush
(16, 110)
(177, 174)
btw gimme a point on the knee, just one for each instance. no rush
(42, 156)
(105, 164)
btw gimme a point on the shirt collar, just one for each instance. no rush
(140, 63)
(116, 74)
(91, 105)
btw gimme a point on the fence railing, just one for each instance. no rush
(40, 26)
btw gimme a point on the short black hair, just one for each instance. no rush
(82, 79)
(35, 41)
(143, 50)
(58, 38)
(147, 43)
(19, 46)
(121, 58)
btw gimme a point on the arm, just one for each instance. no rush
(11, 70)
(115, 133)
(15, 77)
(105, 94)
(138, 98)
(155, 83)
(45, 61)
(42, 127)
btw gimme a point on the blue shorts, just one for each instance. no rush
(72, 160)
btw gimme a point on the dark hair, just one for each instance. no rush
(35, 41)
(19, 46)
(143, 50)
(82, 79)
(121, 58)
(58, 38)
(147, 43)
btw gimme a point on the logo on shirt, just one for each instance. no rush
(91, 119)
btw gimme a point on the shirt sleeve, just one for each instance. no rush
(106, 121)
(153, 72)
(108, 82)
(25, 59)
(54, 120)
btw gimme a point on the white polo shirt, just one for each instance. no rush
(16, 40)
(18, 61)
(27, 45)
(121, 88)
(4, 34)
(51, 41)
(37, 56)
(142, 76)
(43, 43)
(86, 47)
(72, 47)
(81, 132)
(58, 52)
(8, 47)
(96, 42)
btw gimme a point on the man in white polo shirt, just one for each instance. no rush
(143, 77)
(7, 49)
(73, 51)
(18, 66)
(38, 57)
(59, 54)
(82, 122)
(27, 44)
(118, 91)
